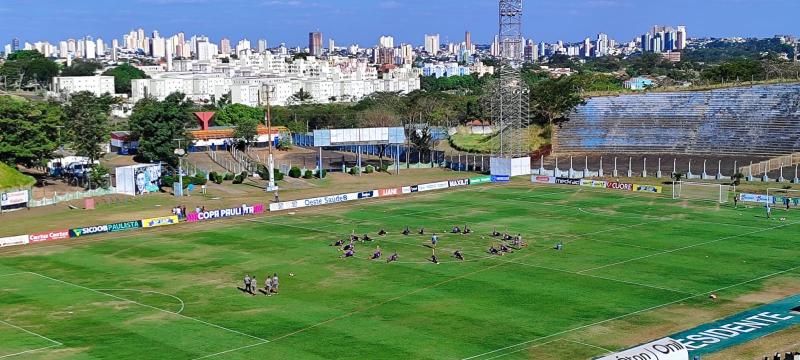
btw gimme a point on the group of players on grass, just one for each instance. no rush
(508, 243)
(270, 285)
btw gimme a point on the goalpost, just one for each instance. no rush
(701, 191)
(781, 194)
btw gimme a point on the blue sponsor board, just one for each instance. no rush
(741, 328)
(501, 178)
(366, 194)
(414, 188)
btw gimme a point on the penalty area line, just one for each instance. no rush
(619, 317)
(28, 351)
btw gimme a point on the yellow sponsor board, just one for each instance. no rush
(648, 188)
(160, 221)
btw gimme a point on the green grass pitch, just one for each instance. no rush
(172, 293)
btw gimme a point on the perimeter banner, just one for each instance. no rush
(480, 180)
(224, 213)
(764, 199)
(664, 349)
(317, 201)
(543, 179)
(49, 235)
(567, 181)
(160, 221)
(619, 186)
(741, 328)
(14, 240)
(594, 183)
(460, 182)
(390, 192)
(648, 188)
(433, 186)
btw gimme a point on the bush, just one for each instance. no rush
(228, 176)
(308, 175)
(369, 169)
(244, 175)
(285, 143)
(354, 170)
(385, 168)
(213, 175)
(200, 178)
(218, 178)
(278, 175)
(294, 172)
(321, 173)
(237, 179)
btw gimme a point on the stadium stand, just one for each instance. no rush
(758, 121)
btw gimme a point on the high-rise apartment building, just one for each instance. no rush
(468, 40)
(386, 41)
(225, 46)
(432, 44)
(680, 41)
(262, 46)
(315, 43)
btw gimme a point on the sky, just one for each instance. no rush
(363, 21)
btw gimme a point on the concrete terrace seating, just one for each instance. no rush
(757, 120)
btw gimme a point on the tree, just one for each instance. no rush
(82, 68)
(28, 68)
(300, 97)
(554, 99)
(230, 114)
(246, 129)
(28, 130)
(422, 141)
(88, 123)
(160, 127)
(123, 75)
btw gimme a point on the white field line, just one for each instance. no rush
(28, 351)
(183, 305)
(688, 247)
(230, 350)
(621, 317)
(150, 307)
(55, 343)
(12, 274)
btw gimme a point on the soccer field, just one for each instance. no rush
(634, 268)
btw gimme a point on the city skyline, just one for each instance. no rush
(290, 21)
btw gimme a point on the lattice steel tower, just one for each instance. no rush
(508, 95)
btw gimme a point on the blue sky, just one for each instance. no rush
(363, 21)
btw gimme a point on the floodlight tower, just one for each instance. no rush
(509, 97)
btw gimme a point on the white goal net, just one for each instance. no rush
(701, 191)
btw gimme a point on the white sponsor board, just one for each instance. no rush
(14, 240)
(764, 199)
(460, 182)
(664, 349)
(433, 186)
(406, 189)
(317, 201)
(14, 198)
(543, 179)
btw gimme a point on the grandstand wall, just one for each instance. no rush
(755, 122)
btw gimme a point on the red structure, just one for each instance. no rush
(205, 118)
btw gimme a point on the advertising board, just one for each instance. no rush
(225, 213)
(48, 236)
(14, 198)
(664, 349)
(366, 194)
(648, 188)
(406, 189)
(88, 230)
(619, 186)
(543, 179)
(594, 183)
(433, 186)
(480, 180)
(757, 198)
(390, 192)
(460, 182)
(14, 240)
(501, 178)
(567, 181)
(160, 221)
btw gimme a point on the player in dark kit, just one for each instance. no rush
(458, 255)
(366, 238)
(406, 232)
(392, 257)
(382, 232)
(377, 254)
(348, 253)
(421, 231)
